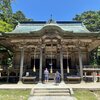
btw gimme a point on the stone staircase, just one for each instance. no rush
(51, 92)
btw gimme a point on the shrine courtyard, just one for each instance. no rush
(82, 91)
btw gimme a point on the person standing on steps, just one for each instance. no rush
(46, 75)
(57, 77)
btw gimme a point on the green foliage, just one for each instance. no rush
(5, 27)
(94, 56)
(14, 94)
(6, 10)
(24, 94)
(84, 95)
(7, 56)
(97, 93)
(8, 19)
(91, 19)
(19, 16)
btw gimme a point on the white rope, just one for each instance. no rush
(34, 68)
(67, 63)
(51, 71)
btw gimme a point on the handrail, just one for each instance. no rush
(91, 66)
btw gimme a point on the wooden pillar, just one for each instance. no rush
(61, 64)
(21, 63)
(80, 63)
(40, 70)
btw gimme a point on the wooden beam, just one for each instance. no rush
(93, 45)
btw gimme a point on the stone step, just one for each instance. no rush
(51, 88)
(51, 91)
(51, 94)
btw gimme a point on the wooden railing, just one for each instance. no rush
(91, 66)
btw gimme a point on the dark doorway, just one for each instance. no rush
(50, 63)
(36, 62)
(72, 69)
(65, 63)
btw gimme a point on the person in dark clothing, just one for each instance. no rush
(57, 77)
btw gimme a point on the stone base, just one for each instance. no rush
(82, 82)
(20, 82)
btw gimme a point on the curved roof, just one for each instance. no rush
(71, 26)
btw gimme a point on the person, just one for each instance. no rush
(46, 75)
(57, 77)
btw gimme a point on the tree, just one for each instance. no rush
(5, 10)
(7, 16)
(5, 27)
(20, 17)
(91, 19)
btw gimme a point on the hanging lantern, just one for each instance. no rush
(34, 68)
(67, 69)
(51, 70)
(67, 63)
(0, 70)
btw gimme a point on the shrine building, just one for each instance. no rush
(62, 46)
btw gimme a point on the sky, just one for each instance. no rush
(62, 10)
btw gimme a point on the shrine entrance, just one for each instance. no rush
(67, 66)
(35, 62)
(51, 65)
(34, 70)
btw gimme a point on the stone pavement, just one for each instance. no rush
(73, 86)
(90, 86)
(52, 98)
(94, 86)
